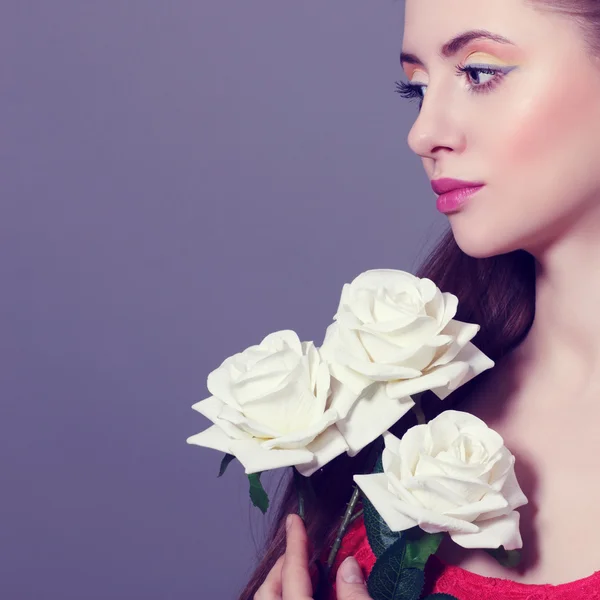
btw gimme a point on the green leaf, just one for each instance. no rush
(388, 580)
(378, 468)
(420, 546)
(259, 497)
(507, 558)
(224, 463)
(380, 536)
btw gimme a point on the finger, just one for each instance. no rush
(349, 581)
(271, 586)
(295, 577)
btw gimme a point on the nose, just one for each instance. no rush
(437, 128)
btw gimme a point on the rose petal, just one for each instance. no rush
(397, 487)
(354, 381)
(382, 348)
(433, 494)
(400, 515)
(219, 385)
(407, 449)
(391, 319)
(213, 437)
(372, 414)
(430, 292)
(348, 343)
(322, 383)
(513, 494)
(460, 333)
(360, 305)
(463, 420)
(388, 351)
(341, 398)
(420, 331)
(477, 362)
(393, 279)
(288, 337)
(379, 371)
(293, 408)
(512, 491)
(325, 448)
(374, 487)
(256, 459)
(493, 533)
(434, 522)
(473, 512)
(450, 303)
(441, 376)
(211, 408)
(303, 437)
(250, 426)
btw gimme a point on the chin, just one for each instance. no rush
(480, 242)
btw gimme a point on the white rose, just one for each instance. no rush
(394, 327)
(269, 406)
(453, 474)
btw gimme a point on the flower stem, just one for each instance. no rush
(343, 527)
(299, 484)
(355, 516)
(348, 517)
(418, 409)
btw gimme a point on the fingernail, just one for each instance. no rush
(288, 522)
(351, 571)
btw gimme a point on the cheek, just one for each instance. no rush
(547, 129)
(539, 128)
(547, 158)
(544, 162)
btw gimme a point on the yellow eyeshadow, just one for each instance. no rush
(414, 72)
(484, 57)
(477, 57)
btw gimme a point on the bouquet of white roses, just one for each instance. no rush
(288, 403)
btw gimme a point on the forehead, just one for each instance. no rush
(428, 24)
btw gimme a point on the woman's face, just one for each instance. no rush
(530, 130)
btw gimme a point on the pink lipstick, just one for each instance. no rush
(453, 193)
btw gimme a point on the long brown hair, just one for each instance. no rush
(498, 293)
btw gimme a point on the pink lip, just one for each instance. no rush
(453, 192)
(441, 186)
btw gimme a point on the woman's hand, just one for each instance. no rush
(289, 579)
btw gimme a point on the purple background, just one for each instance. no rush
(179, 179)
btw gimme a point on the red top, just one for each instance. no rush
(462, 584)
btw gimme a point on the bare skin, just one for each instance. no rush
(544, 422)
(557, 457)
(534, 140)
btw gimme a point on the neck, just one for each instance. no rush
(564, 339)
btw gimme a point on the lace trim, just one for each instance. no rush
(465, 585)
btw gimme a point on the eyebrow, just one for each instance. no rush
(453, 46)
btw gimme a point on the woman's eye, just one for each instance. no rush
(479, 73)
(480, 79)
(477, 76)
(409, 90)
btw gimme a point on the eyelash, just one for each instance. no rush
(411, 90)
